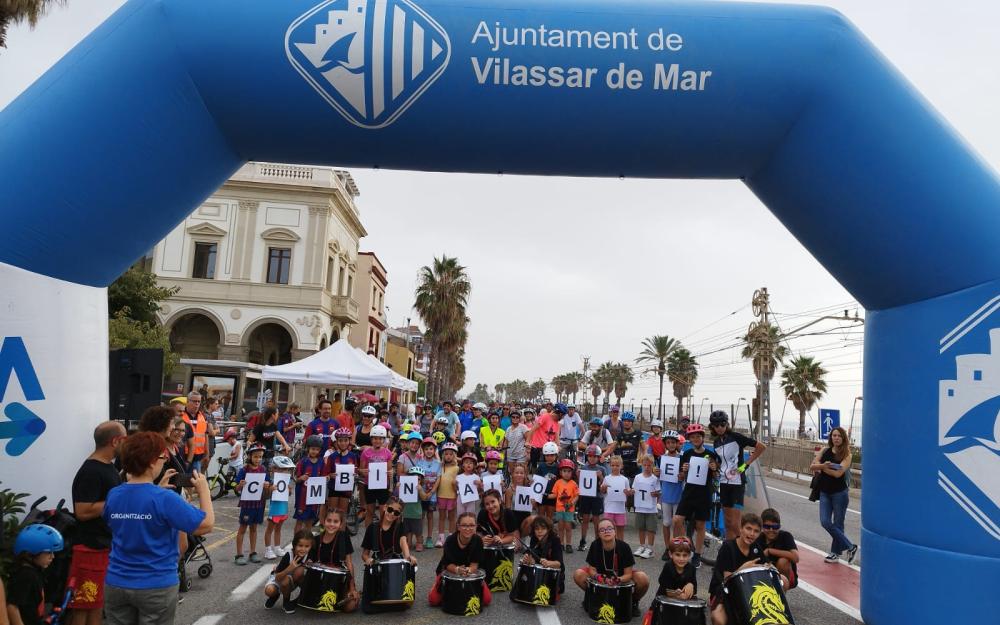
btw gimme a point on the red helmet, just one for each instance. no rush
(230, 433)
(696, 428)
(566, 463)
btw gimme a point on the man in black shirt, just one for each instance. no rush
(729, 445)
(628, 445)
(93, 480)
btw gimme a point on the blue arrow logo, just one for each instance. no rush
(22, 429)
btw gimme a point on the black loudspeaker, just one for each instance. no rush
(135, 380)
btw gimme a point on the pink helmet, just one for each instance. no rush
(343, 433)
(695, 428)
(386, 425)
(231, 433)
(593, 450)
(493, 455)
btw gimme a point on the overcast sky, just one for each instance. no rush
(591, 267)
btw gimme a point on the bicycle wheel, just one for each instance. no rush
(217, 486)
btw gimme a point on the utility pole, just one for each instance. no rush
(586, 378)
(761, 304)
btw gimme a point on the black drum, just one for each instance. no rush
(463, 594)
(390, 582)
(536, 585)
(754, 595)
(609, 603)
(668, 611)
(324, 588)
(498, 563)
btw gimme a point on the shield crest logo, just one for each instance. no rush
(969, 418)
(369, 59)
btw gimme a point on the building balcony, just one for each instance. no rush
(344, 309)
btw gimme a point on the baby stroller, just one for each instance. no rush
(196, 552)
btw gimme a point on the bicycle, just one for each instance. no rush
(223, 481)
(715, 532)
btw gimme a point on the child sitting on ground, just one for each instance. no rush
(283, 577)
(779, 547)
(678, 579)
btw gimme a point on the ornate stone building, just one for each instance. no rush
(267, 268)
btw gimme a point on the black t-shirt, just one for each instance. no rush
(26, 590)
(453, 554)
(550, 549)
(670, 579)
(729, 559)
(377, 539)
(729, 448)
(506, 524)
(696, 490)
(827, 483)
(266, 436)
(92, 482)
(334, 552)
(629, 444)
(612, 563)
(783, 541)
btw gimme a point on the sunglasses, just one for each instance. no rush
(393, 511)
(771, 526)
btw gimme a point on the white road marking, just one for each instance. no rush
(547, 616)
(823, 553)
(830, 599)
(788, 492)
(210, 619)
(250, 584)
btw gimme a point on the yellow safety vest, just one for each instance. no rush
(199, 442)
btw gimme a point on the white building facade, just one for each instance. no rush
(266, 267)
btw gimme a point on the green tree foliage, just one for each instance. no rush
(126, 333)
(133, 301)
(480, 394)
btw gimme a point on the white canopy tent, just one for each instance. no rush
(340, 364)
(399, 382)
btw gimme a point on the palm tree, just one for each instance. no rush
(516, 390)
(762, 346)
(498, 389)
(16, 11)
(655, 350)
(441, 299)
(623, 377)
(595, 390)
(604, 377)
(538, 388)
(574, 381)
(682, 370)
(803, 383)
(559, 386)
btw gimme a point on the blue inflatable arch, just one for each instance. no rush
(156, 108)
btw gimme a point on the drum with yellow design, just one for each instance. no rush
(536, 585)
(462, 594)
(609, 603)
(754, 596)
(390, 582)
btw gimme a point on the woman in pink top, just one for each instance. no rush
(545, 429)
(378, 452)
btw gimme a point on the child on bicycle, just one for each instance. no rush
(34, 550)
(282, 581)
(277, 511)
(236, 449)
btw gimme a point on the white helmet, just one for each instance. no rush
(550, 448)
(468, 434)
(656, 423)
(282, 462)
(479, 406)
(378, 430)
(369, 409)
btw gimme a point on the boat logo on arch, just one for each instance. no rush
(369, 59)
(969, 418)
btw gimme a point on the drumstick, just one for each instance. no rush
(529, 550)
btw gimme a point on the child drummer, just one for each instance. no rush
(678, 579)
(463, 551)
(545, 549)
(611, 560)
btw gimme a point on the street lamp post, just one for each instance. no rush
(736, 412)
(850, 426)
(701, 407)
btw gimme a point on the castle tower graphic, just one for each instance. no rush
(969, 435)
(370, 59)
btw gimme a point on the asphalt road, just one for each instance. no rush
(233, 595)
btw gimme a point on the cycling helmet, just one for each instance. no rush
(596, 421)
(369, 410)
(656, 423)
(283, 462)
(407, 427)
(36, 539)
(566, 463)
(385, 425)
(471, 457)
(231, 433)
(628, 416)
(414, 436)
(378, 432)
(672, 434)
(314, 441)
(559, 408)
(494, 455)
(615, 409)
(255, 448)
(568, 406)
(441, 419)
(696, 428)
(343, 433)
(718, 417)
(550, 448)
(415, 470)
(449, 445)
(468, 434)
(593, 450)
(528, 410)
(350, 403)
(479, 406)
(429, 440)
(438, 437)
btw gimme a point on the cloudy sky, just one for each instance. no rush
(579, 268)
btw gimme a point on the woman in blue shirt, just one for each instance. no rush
(141, 581)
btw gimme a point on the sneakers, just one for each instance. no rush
(269, 553)
(440, 541)
(288, 606)
(428, 543)
(696, 560)
(638, 551)
(254, 557)
(279, 551)
(270, 602)
(645, 552)
(582, 546)
(831, 557)
(853, 551)
(569, 548)
(240, 560)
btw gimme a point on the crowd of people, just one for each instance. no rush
(141, 497)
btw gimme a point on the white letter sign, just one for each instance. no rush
(522, 499)
(344, 480)
(493, 482)
(697, 471)
(670, 467)
(408, 489)
(467, 490)
(315, 490)
(378, 475)
(539, 483)
(279, 487)
(588, 483)
(253, 487)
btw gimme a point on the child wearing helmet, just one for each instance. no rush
(493, 459)
(413, 511)
(235, 449)
(591, 506)
(446, 491)
(655, 444)
(251, 511)
(343, 454)
(549, 468)
(492, 437)
(377, 454)
(696, 499)
(468, 465)
(430, 464)
(311, 465)
(628, 445)
(514, 440)
(670, 492)
(565, 494)
(277, 510)
(34, 550)
(469, 445)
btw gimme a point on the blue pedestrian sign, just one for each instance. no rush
(828, 419)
